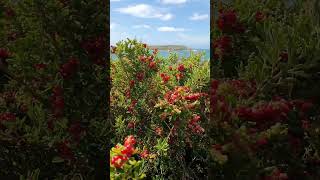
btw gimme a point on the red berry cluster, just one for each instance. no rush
(193, 124)
(96, 49)
(76, 131)
(213, 95)
(175, 95)
(284, 56)
(40, 66)
(4, 54)
(132, 82)
(181, 68)
(132, 105)
(260, 16)
(165, 78)
(267, 114)
(229, 22)
(222, 46)
(149, 60)
(277, 175)
(194, 96)
(217, 147)
(146, 58)
(69, 68)
(262, 142)
(243, 88)
(140, 76)
(155, 51)
(57, 101)
(159, 131)
(10, 12)
(179, 76)
(144, 154)
(65, 151)
(131, 125)
(119, 160)
(7, 116)
(152, 65)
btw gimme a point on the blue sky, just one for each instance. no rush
(161, 22)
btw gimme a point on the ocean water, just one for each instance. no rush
(186, 53)
(180, 53)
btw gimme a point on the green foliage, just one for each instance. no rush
(42, 38)
(140, 105)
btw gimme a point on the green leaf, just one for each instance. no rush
(57, 159)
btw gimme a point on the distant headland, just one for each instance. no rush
(169, 47)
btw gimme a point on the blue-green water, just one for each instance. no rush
(181, 53)
(186, 53)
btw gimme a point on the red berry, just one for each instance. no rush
(76, 130)
(260, 16)
(179, 76)
(144, 154)
(159, 131)
(118, 161)
(155, 51)
(217, 147)
(152, 65)
(165, 78)
(40, 66)
(131, 125)
(142, 58)
(140, 76)
(128, 150)
(262, 141)
(4, 54)
(69, 68)
(65, 151)
(10, 12)
(181, 68)
(132, 83)
(7, 116)
(57, 91)
(130, 140)
(284, 56)
(228, 21)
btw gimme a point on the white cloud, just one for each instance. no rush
(170, 29)
(197, 16)
(142, 26)
(145, 11)
(173, 1)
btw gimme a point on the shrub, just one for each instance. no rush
(53, 116)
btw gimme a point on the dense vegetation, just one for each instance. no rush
(53, 115)
(250, 113)
(262, 121)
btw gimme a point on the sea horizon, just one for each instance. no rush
(181, 53)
